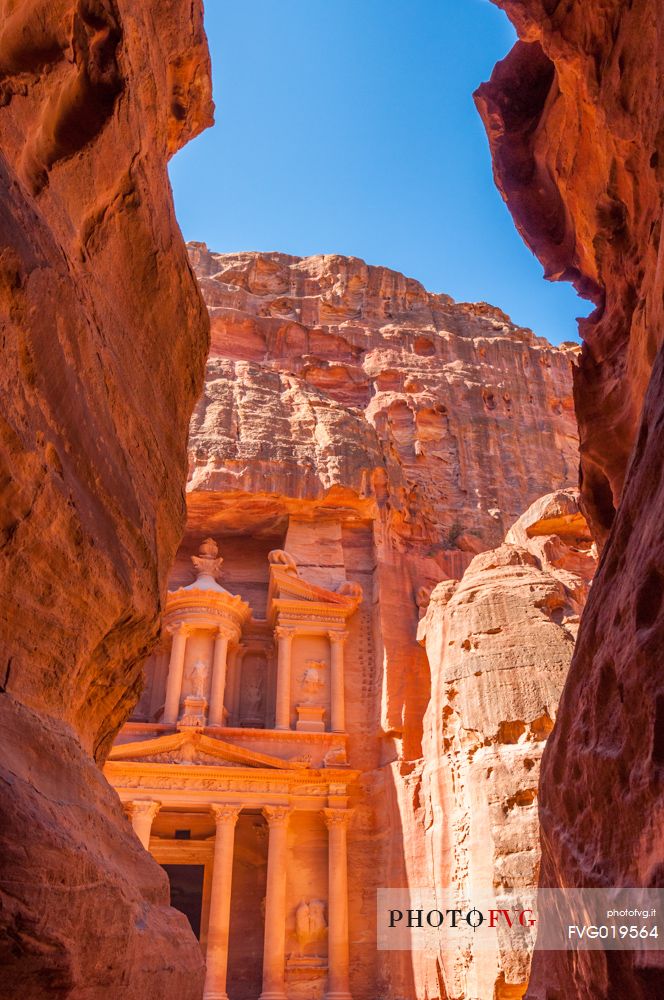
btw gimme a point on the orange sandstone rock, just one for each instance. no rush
(103, 343)
(327, 374)
(499, 643)
(574, 116)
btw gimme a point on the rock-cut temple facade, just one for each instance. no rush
(235, 774)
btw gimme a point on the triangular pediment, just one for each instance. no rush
(198, 749)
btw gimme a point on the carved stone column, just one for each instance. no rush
(337, 682)
(175, 671)
(274, 948)
(142, 813)
(284, 635)
(218, 682)
(216, 957)
(338, 959)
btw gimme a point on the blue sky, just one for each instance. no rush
(348, 126)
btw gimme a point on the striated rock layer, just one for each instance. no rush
(499, 642)
(103, 343)
(328, 374)
(384, 435)
(574, 117)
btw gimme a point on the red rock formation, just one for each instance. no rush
(574, 116)
(499, 643)
(103, 342)
(385, 435)
(573, 120)
(326, 374)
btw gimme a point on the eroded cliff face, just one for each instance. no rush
(326, 374)
(499, 642)
(574, 116)
(104, 337)
(384, 435)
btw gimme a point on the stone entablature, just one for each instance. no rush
(190, 769)
(187, 785)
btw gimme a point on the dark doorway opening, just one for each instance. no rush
(187, 892)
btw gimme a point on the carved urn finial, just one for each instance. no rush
(208, 562)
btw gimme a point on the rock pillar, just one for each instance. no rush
(142, 813)
(282, 711)
(175, 671)
(216, 958)
(338, 960)
(274, 947)
(337, 683)
(218, 682)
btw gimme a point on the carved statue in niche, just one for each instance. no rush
(253, 714)
(254, 696)
(310, 923)
(312, 679)
(199, 673)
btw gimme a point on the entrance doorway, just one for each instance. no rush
(187, 892)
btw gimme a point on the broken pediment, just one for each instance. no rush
(287, 585)
(196, 748)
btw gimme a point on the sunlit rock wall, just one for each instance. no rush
(574, 117)
(104, 337)
(499, 642)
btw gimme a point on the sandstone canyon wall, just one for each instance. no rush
(104, 336)
(499, 642)
(574, 117)
(384, 435)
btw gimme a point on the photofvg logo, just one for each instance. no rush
(521, 920)
(424, 920)
(474, 917)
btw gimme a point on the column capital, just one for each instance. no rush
(178, 628)
(224, 631)
(225, 813)
(336, 817)
(277, 815)
(337, 635)
(285, 631)
(143, 807)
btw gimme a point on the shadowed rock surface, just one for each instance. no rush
(104, 337)
(574, 117)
